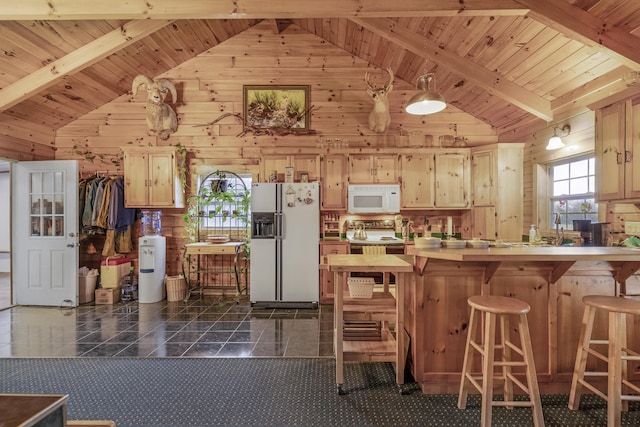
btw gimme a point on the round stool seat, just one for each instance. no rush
(498, 305)
(615, 304)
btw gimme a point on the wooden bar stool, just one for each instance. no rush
(616, 358)
(495, 307)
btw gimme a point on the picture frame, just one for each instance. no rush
(304, 177)
(276, 107)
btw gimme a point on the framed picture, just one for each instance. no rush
(304, 177)
(276, 107)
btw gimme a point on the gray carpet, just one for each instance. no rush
(262, 392)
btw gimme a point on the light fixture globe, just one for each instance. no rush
(427, 101)
(555, 142)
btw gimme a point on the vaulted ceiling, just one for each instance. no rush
(514, 64)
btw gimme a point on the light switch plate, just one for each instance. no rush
(631, 227)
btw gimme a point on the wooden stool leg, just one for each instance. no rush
(532, 379)
(581, 357)
(506, 357)
(468, 359)
(614, 388)
(487, 368)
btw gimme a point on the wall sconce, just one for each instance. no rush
(555, 141)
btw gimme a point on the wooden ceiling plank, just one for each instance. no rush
(490, 81)
(77, 60)
(586, 28)
(259, 9)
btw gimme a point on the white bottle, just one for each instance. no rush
(532, 233)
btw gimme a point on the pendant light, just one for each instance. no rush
(555, 142)
(427, 100)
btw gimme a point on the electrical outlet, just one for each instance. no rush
(631, 227)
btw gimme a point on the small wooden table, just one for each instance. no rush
(389, 349)
(203, 266)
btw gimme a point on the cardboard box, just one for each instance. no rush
(112, 270)
(107, 295)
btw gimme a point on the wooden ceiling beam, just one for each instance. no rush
(250, 9)
(588, 29)
(77, 60)
(484, 78)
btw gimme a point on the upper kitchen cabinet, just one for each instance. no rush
(497, 188)
(417, 176)
(333, 184)
(301, 163)
(151, 178)
(452, 179)
(373, 169)
(617, 139)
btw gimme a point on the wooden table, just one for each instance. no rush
(200, 265)
(389, 348)
(32, 409)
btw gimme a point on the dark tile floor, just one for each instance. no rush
(202, 327)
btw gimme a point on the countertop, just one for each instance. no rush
(627, 260)
(533, 253)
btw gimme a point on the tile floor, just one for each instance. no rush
(202, 327)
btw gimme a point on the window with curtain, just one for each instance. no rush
(573, 191)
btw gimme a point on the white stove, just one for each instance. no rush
(379, 232)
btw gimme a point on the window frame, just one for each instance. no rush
(573, 205)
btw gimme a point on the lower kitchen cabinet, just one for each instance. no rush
(327, 285)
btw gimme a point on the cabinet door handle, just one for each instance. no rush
(627, 156)
(619, 158)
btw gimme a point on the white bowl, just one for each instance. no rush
(454, 244)
(428, 240)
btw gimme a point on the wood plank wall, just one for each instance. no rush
(211, 85)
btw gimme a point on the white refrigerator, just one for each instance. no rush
(284, 244)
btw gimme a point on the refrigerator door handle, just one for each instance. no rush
(279, 230)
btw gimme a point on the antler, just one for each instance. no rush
(366, 79)
(391, 79)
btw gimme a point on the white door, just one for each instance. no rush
(45, 233)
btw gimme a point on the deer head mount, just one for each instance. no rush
(379, 117)
(161, 118)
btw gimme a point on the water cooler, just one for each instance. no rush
(152, 249)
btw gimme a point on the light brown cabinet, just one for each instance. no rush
(327, 285)
(452, 179)
(417, 176)
(435, 179)
(301, 163)
(617, 139)
(373, 169)
(497, 193)
(151, 179)
(333, 187)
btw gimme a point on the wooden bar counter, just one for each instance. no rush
(552, 280)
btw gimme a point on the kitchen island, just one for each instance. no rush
(382, 307)
(552, 280)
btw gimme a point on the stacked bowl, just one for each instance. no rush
(427, 242)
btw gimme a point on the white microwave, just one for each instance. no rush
(374, 198)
